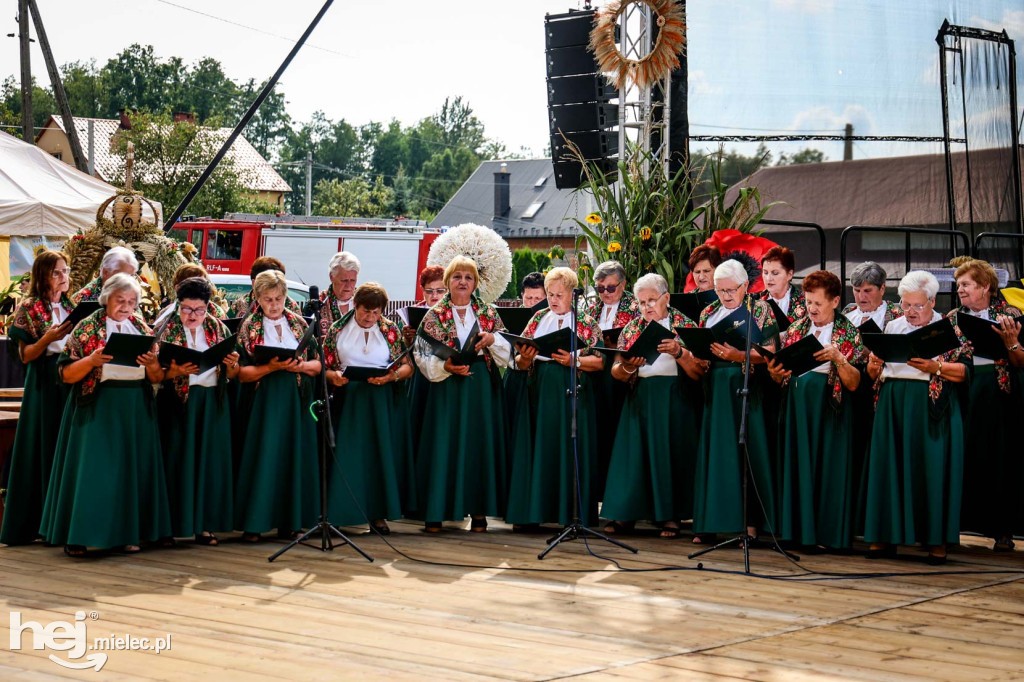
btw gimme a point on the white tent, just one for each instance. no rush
(42, 196)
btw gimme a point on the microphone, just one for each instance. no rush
(314, 293)
(313, 304)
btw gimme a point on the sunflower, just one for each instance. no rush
(645, 233)
(594, 219)
(614, 246)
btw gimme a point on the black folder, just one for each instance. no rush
(698, 341)
(414, 314)
(646, 345)
(869, 327)
(82, 311)
(126, 347)
(611, 336)
(357, 373)
(731, 330)
(233, 323)
(927, 342)
(781, 318)
(798, 358)
(459, 356)
(548, 343)
(205, 360)
(516, 319)
(263, 354)
(984, 338)
(693, 303)
(540, 305)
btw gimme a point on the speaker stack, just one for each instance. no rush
(579, 99)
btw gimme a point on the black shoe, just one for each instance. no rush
(885, 552)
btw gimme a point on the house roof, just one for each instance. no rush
(474, 202)
(256, 172)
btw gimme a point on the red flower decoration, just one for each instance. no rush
(744, 247)
(846, 348)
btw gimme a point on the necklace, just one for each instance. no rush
(280, 332)
(366, 343)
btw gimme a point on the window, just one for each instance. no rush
(540, 183)
(224, 245)
(532, 210)
(58, 155)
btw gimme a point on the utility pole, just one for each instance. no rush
(309, 183)
(848, 143)
(58, 90)
(27, 132)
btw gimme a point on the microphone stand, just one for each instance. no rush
(322, 408)
(576, 529)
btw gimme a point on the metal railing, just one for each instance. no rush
(799, 223)
(1018, 261)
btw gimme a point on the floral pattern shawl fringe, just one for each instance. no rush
(846, 338)
(33, 318)
(250, 335)
(439, 323)
(998, 307)
(392, 335)
(88, 336)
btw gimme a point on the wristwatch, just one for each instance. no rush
(1015, 347)
(938, 373)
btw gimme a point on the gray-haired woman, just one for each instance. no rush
(117, 259)
(914, 467)
(338, 299)
(107, 487)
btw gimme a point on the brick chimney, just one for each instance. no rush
(501, 192)
(126, 122)
(184, 117)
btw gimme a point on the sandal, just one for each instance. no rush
(75, 551)
(380, 528)
(705, 538)
(478, 525)
(208, 539)
(130, 549)
(1003, 544)
(432, 527)
(621, 528)
(881, 550)
(251, 537)
(167, 543)
(936, 555)
(669, 532)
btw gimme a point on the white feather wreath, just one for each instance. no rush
(487, 249)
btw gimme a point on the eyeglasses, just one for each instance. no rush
(57, 274)
(650, 303)
(728, 292)
(435, 292)
(608, 289)
(194, 311)
(916, 307)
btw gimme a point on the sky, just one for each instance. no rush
(755, 65)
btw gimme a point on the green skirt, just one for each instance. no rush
(609, 398)
(32, 454)
(541, 487)
(197, 460)
(993, 464)
(655, 454)
(516, 389)
(371, 474)
(718, 481)
(815, 465)
(278, 482)
(107, 488)
(418, 387)
(914, 468)
(460, 460)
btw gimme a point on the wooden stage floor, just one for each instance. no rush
(233, 615)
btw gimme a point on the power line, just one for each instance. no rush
(769, 130)
(250, 28)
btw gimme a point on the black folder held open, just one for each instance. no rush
(547, 344)
(125, 348)
(205, 360)
(798, 357)
(985, 340)
(262, 355)
(646, 345)
(927, 342)
(732, 330)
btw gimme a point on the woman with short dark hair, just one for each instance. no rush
(777, 268)
(702, 263)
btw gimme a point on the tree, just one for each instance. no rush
(335, 147)
(807, 155)
(208, 93)
(390, 152)
(443, 174)
(354, 197)
(271, 124)
(85, 89)
(43, 103)
(458, 126)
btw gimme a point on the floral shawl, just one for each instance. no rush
(250, 335)
(247, 305)
(846, 338)
(586, 329)
(998, 306)
(439, 323)
(392, 335)
(88, 336)
(33, 318)
(892, 311)
(90, 292)
(633, 330)
(329, 310)
(215, 332)
(797, 305)
(629, 309)
(762, 315)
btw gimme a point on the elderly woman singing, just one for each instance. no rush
(107, 487)
(460, 463)
(652, 465)
(337, 300)
(718, 493)
(914, 467)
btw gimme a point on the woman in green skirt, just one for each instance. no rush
(541, 487)
(107, 486)
(652, 463)
(195, 420)
(39, 331)
(278, 476)
(816, 423)
(718, 482)
(371, 474)
(993, 465)
(914, 468)
(460, 462)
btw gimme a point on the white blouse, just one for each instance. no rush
(859, 317)
(901, 370)
(432, 367)
(665, 365)
(719, 315)
(825, 338)
(209, 377)
(58, 314)
(120, 372)
(608, 314)
(784, 301)
(551, 323)
(278, 334)
(358, 347)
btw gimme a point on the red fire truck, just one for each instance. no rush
(392, 252)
